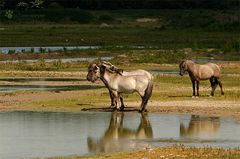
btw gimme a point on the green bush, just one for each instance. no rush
(105, 18)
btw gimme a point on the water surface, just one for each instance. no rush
(39, 134)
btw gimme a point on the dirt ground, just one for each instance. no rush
(95, 98)
(16, 101)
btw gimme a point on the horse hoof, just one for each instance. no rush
(142, 110)
(193, 96)
(210, 96)
(121, 108)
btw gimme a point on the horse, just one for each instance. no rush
(118, 83)
(113, 68)
(197, 72)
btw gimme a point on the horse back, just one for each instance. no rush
(216, 69)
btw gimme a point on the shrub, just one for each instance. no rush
(105, 18)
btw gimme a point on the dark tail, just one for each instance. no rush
(148, 94)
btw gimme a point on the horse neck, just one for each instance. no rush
(190, 67)
(107, 77)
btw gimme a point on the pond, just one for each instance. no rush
(43, 84)
(45, 48)
(44, 134)
(64, 60)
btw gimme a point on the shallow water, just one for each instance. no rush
(14, 88)
(24, 84)
(46, 48)
(38, 134)
(64, 60)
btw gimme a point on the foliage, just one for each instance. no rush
(135, 4)
(22, 6)
(55, 5)
(37, 4)
(105, 18)
(2, 4)
(9, 14)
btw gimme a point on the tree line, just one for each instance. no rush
(120, 4)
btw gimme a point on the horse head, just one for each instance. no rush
(183, 67)
(93, 72)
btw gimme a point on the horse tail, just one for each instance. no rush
(148, 92)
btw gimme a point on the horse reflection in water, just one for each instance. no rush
(200, 126)
(119, 138)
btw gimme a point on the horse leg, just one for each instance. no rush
(143, 104)
(122, 104)
(220, 85)
(198, 88)
(111, 94)
(215, 83)
(115, 99)
(193, 87)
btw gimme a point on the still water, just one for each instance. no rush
(26, 84)
(39, 134)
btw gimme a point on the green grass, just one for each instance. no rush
(166, 88)
(126, 35)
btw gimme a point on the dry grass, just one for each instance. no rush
(171, 152)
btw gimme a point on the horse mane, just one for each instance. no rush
(111, 68)
(184, 61)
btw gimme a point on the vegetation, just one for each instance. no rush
(163, 29)
(124, 4)
(170, 152)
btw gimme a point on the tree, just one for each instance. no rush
(2, 4)
(22, 5)
(38, 4)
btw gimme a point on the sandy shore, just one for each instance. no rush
(17, 102)
(95, 98)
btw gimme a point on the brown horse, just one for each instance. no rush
(198, 72)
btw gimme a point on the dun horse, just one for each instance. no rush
(198, 72)
(113, 68)
(118, 83)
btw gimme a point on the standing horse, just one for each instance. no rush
(119, 84)
(113, 68)
(198, 72)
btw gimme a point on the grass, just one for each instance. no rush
(122, 34)
(166, 88)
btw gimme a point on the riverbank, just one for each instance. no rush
(171, 95)
(170, 152)
(70, 92)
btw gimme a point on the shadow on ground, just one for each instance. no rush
(108, 109)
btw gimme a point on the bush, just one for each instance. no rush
(59, 15)
(105, 18)
(55, 5)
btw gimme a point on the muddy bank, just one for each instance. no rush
(32, 101)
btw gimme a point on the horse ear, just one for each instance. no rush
(119, 71)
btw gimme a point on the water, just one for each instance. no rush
(5, 50)
(14, 88)
(38, 134)
(64, 60)
(27, 84)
